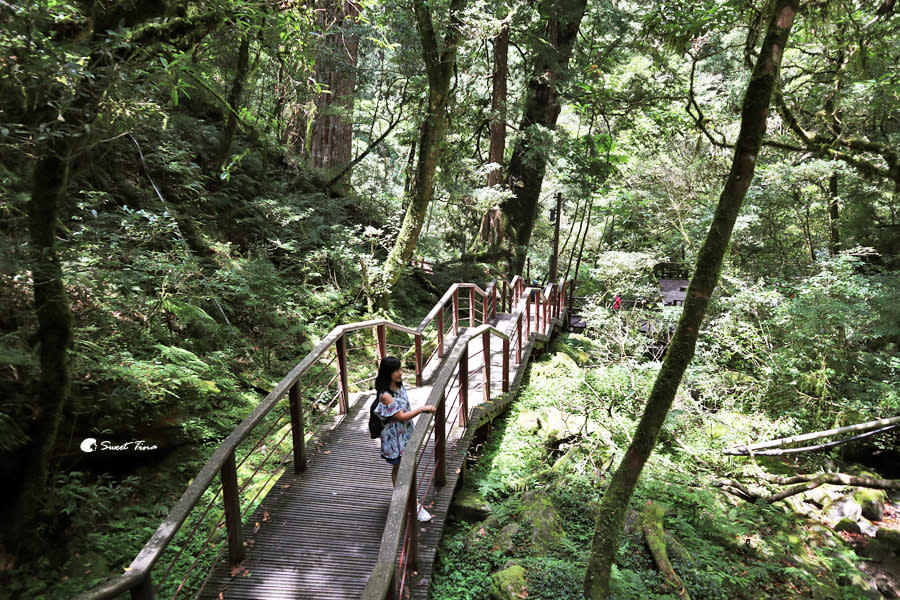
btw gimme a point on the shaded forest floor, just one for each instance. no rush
(555, 449)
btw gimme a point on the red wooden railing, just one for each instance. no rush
(317, 388)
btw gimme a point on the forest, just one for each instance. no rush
(193, 194)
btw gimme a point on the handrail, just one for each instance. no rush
(402, 511)
(447, 297)
(403, 495)
(137, 579)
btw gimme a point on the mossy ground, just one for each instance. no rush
(722, 548)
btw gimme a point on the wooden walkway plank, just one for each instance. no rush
(321, 536)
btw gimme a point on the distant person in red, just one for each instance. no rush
(617, 303)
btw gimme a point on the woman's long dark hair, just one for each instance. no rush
(388, 365)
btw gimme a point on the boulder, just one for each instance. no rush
(875, 551)
(632, 522)
(890, 538)
(505, 541)
(798, 505)
(538, 511)
(822, 495)
(470, 507)
(866, 527)
(872, 503)
(843, 508)
(886, 588)
(509, 583)
(847, 525)
(528, 421)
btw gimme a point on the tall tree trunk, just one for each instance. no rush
(542, 107)
(491, 231)
(234, 101)
(54, 337)
(440, 62)
(834, 237)
(331, 142)
(498, 104)
(610, 515)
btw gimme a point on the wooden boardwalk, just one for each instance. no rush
(317, 534)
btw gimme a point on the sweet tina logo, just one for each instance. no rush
(90, 445)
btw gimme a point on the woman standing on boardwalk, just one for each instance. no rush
(395, 411)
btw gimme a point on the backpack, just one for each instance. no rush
(376, 423)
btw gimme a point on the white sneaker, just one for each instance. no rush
(424, 516)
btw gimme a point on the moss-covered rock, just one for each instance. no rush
(847, 525)
(875, 551)
(632, 522)
(890, 538)
(843, 508)
(552, 425)
(872, 503)
(822, 495)
(509, 583)
(505, 540)
(470, 507)
(538, 511)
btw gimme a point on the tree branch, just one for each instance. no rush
(365, 152)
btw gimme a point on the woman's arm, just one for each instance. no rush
(387, 398)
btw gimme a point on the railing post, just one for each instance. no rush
(412, 512)
(298, 433)
(556, 308)
(440, 325)
(528, 316)
(553, 302)
(484, 309)
(418, 359)
(486, 345)
(505, 365)
(471, 307)
(519, 340)
(494, 301)
(545, 309)
(232, 500)
(464, 387)
(382, 342)
(340, 347)
(144, 590)
(440, 442)
(455, 312)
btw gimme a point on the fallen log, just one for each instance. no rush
(808, 482)
(652, 527)
(836, 479)
(779, 452)
(748, 449)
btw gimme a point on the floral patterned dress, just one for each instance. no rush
(395, 433)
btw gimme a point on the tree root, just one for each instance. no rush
(652, 527)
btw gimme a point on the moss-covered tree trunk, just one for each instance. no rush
(528, 163)
(611, 513)
(834, 237)
(53, 336)
(440, 61)
(234, 101)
